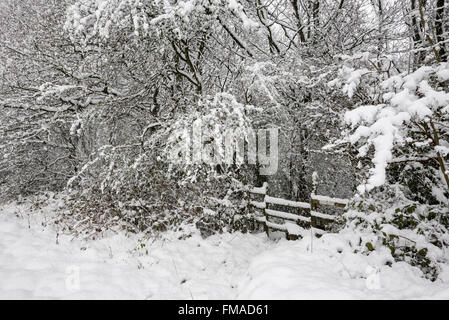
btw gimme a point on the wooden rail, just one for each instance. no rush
(306, 214)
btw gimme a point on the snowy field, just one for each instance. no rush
(227, 266)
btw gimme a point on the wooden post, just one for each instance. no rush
(259, 203)
(265, 210)
(313, 203)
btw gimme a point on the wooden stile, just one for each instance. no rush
(292, 222)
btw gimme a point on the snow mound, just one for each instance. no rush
(332, 271)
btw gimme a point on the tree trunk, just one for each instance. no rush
(439, 29)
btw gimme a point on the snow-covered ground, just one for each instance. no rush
(227, 266)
